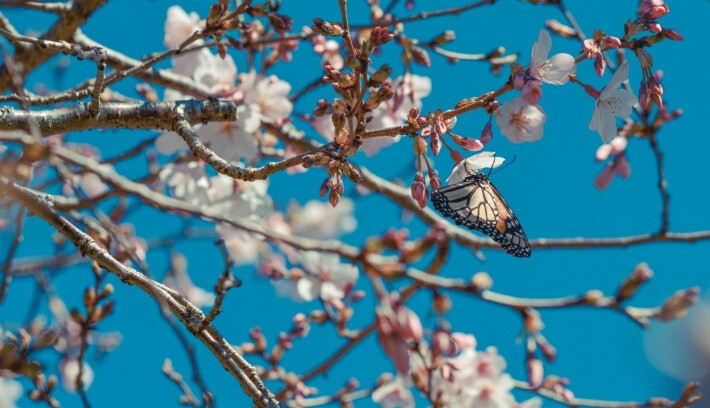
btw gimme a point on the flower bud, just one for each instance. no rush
(677, 305)
(380, 35)
(641, 274)
(672, 34)
(419, 191)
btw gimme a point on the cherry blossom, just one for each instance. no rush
(317, 219)
(612, 102)
(186, 180)
(90, 184)
(394, 394)
(239, 199)
(478, 161)
(521, 122)
(178, 279)
(243, 246)
(409, 91)
(324, 278)
(179, 26)
(10, 392)
(554, 70)
(266, 96)
(69, 370)
(230, 140)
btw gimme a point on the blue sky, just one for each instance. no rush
(549, 186)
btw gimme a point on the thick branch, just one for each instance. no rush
(137, 115)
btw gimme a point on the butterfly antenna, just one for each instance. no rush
(502, 166)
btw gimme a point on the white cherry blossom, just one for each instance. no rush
(612, 102)
(318, 219)
(186, 181)
(266, 96)
(554, 70)
(179, 26)
(409, 91)
(521, 122)
(464, 168)
(69, 370)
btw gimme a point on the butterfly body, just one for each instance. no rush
(476, 204)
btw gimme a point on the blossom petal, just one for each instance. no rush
(621, 75)
(603, 121)
(562, 66)
(541, 49)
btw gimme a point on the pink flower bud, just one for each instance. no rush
(519, 81)
(419, 191)
(611, 42)
(434, 180)
(455, 156)
(657, 12)
(618, 144)
(324, 187)
(409, 325)
(604, 178)
(644, 96)
(535, 372)
(464, 341)
(487, 133)
(672, 34)
(532, 92)
(435, 144)
(599, 64)
(623, 166)
(654, 27)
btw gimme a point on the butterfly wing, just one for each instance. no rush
(477, 204)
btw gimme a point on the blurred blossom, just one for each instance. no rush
(330, 49)
(681, 348)
(243, 246)
(69, 370)
(394, 394)
(470, 379)
(409, 91)
(187, 181)
(178, 279)
(239, 199)
(612, 102)
(229, 140)
(478, 161)
(555, 70)
(10, 392)
(521, 122)
(179, 26)
(320, 220)
(325, 278)
(89, 183)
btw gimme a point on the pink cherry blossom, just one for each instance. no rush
(325, 278)
(521, 122)
(532, 92)
(554, 70)
(612, 102)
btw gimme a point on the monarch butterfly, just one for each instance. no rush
(477, 204)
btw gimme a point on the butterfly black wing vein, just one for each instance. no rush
(476, 204)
